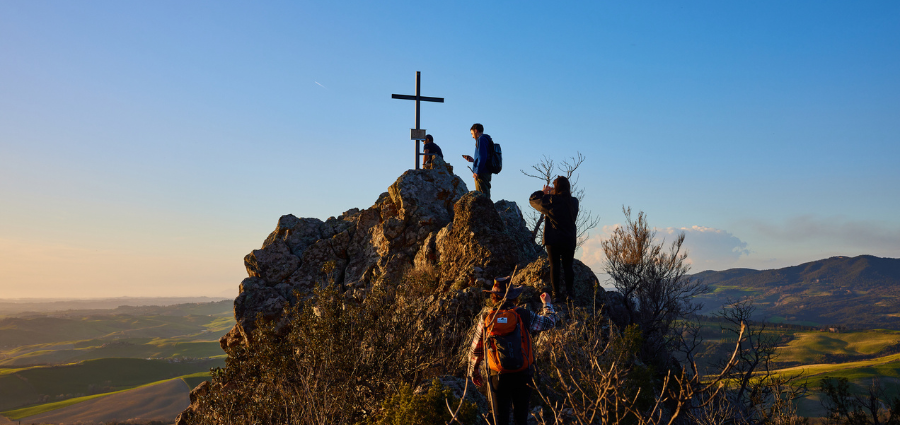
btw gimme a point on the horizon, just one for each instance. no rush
(218, 298)
(148, 147)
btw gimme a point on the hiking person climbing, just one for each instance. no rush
(481, 169)
(560, 210)
(429, 151)
(504, 334)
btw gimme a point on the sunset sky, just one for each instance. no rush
(146, 147)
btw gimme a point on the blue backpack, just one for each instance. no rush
(496, 163)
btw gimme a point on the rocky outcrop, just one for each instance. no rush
(425, 219)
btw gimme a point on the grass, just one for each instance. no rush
(150, 348)
(25, 412)
(887, 366)
(195, 379)
(808, 347)
(28, 331)
(39, 385)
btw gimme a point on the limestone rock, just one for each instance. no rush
(515, 227)
(425, 220)
(264, 302)
(476, 237)
(297, 233)
(274, 262)
(536, 275)
(426, 197)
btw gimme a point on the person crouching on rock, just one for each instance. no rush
(504, 336)
(560, 210)
(430, 152)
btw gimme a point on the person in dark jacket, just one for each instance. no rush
(560, 210)
(481, 162)
(430, 150)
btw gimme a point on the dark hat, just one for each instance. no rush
(502, 287)
(429, 138)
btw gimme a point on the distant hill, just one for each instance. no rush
(857, 292)
(36, 305)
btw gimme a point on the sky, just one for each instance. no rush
(146, 147)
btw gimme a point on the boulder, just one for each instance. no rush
(273, 263)
(515, 226)
(476, 237)
(426, 197)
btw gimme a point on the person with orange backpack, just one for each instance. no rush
(504, 336)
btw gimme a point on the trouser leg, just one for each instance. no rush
(483, 184)
(511, 391)
(567, 257)
(553, 255)
(520, 398)
(501, 399)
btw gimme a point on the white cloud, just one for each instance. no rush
(708, 248)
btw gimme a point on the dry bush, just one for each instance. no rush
(591, 374)
(339, 358)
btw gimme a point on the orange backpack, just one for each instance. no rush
(507, 343)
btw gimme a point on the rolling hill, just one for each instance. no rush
(851, 292)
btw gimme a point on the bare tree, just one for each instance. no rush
(873, 407)
(652, 281)
(544, 171)
(590, 376)
(754, 393)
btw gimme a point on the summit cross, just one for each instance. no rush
(417, 133)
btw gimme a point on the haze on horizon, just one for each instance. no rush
(146, 147)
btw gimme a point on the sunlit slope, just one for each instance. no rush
(24, 331)
(857, 292)
(815, 347)
(162, 401)
(39, 385)
(131, 348)
(36, 340)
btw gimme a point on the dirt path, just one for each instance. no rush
(163, 401)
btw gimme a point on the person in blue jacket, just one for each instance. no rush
(481, 162)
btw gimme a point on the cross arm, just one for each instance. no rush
(422, 98)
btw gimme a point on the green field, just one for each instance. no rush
(809, 347)
(25, 412)
(195, 379)
(59, 359)
(40, 385)
(69, 337)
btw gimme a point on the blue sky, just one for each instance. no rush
(146, 147)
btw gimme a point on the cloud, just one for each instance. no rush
(320, 85)
(869, 236)
(592, 251)
(708, 248)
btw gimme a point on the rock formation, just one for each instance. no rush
(427, 218)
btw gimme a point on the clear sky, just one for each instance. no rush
(147, 146)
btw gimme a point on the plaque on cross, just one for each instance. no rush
(417, 134)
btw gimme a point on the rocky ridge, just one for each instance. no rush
(427, 217)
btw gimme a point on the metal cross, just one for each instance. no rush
(418, 134)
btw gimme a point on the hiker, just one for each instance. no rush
(510, 370)
(430, 150)
(481, 170)
(560, 210)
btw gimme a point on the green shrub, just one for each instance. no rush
(406, 408)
